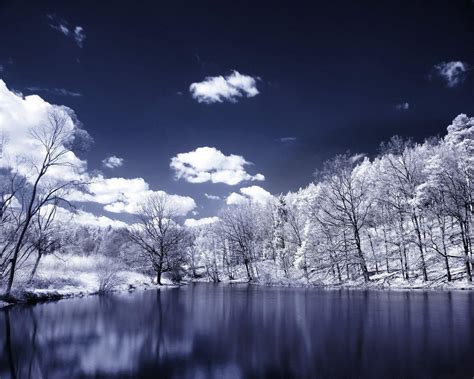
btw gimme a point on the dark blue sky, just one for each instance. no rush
(331, 74)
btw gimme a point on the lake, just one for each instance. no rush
(240, 331)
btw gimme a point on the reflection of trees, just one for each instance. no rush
(244, 331)
(8, 344)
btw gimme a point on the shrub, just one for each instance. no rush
(108, 275)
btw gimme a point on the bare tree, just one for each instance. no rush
(45, 238)
(53, 138)
(404, 170)
(159, 235)
(237, 227)
(345, 202)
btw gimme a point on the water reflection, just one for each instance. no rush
(212, 331)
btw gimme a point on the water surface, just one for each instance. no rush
(221, 331)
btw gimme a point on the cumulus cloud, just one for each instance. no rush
(77, 33)
(112, 162)
(121, 195)
(452, 73)
(212, 197)
(19, 150)
(19, 117)
(208, 164)
(217, 89)
(255, 194)
(235, 198)
(402, 106)
(82, 217)
(192, 222)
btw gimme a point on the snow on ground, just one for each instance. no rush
(72, 275)
(268, 273)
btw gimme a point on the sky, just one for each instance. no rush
(213, 100)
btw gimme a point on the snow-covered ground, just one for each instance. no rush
(71, 275)
(268, 273)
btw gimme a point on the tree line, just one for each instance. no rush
(404, 214)
(407, 213)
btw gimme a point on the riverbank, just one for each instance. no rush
(268, 274)
(77, 276)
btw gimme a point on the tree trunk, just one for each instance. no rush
(402, 248)
(339, 272)
(386, 247)
(416, 224)
(248, 269)
(26, 224)
(445, 250)
(373, 253)
(159, 270)
(346, 255)
(33, 272)
(407, 276)
(363, 264)
(448, 271)
(466, 251)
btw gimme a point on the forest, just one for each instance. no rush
(402, 218)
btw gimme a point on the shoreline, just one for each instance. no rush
(33, 297)
(373, 285)
(38, 296)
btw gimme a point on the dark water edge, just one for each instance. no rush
(242, 331)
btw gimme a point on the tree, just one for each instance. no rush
(345, 201)
(280, 219)
(449, 194)
(51, 141)
(403, 169)
(158, 234)
(238, 229)
(45, 236)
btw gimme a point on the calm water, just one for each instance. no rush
(218, 331)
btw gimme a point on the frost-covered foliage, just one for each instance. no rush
(404, 215)
(401, 218)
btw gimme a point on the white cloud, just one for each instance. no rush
(55, 91)
(357, 157)
(212, 197)
(453, 73)
(112, 162)
(208, 164)
(81, 217)
(402, 106)
(235, 198)
(21, 151)
(76, 33)
(79, 35)
(254, 194)
(10, 201)
(287, 139)
(192, 222)
(257, 194)
(121, 195)
(216, 89)
(19, 116)
(86, 218)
